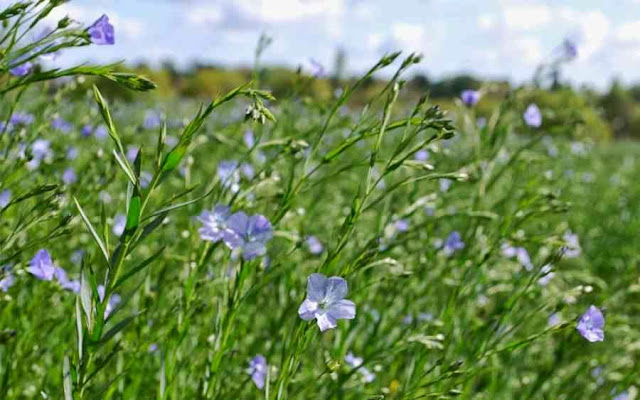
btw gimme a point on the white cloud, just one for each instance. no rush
(486, 21)
(205, 14)
(409, 37)
(629, 32)
(248, 13)
(526, 17)
(527, 49)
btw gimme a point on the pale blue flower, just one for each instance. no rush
(5, 198)
(445, 184)
(533, 116)
(72, 153)
(546, 275)
(249, 139)
(65, 282)
(132, 153)
(314, 245)
(21, 70)
(572, 247)
(248, 234)
(61, 125)
(453, 243)
(114, 300)
(421, 155)
(326, 301)
(152, 120)
(470, 97)
(41, 266)
(119, 224)
(591, 325)
(69, 176)
(214, 223)
(7, 280)
(258, 370)
(102, 32)
(21, 118)
(86, 130)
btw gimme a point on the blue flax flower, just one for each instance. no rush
(454, 242)
(248, 234)
(326, 301)
(591, 325)
(470, 97)
(41, 266)
(532, 116)
(214, 223)
(258, 370)
(102, 32)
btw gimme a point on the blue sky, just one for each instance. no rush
(492, 38)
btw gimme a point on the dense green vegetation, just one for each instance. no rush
(473, 238)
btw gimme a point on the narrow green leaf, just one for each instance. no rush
(66, 376)
(133, 213)
(138, 268)
(93, 232)
(79, 329)
(118, 327)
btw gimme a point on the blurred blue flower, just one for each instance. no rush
(119, 223)
(258, 370)
(314, 245)
(402, 225)
(72, 153)
(325, 301)
(7, 278)
(145, 179)
(547, 275)
(228, 174)
(572, 247)
(248, 234)
(114, 300)
(591, 325)
(65, 282)
(554, 319)
(470, 97)
(132, 153)
(86, 130)
(621, 396)
(153, 347)
(454, 242)
(41, 265)
(69, 176)
(214, 223)
(102, 32)
(40, 148)
(533, 116)
(249, 139)
(76, 257)
(445, 184)
(101, 132)
(5, 198)
(421, 155)
(247, 170)
(570, 49)
(21, 118)
(152, 120)
(317, 69)
(356, 362)
(60, 124)
(21, 70)
(520, 253)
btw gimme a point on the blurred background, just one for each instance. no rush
(200, 48)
